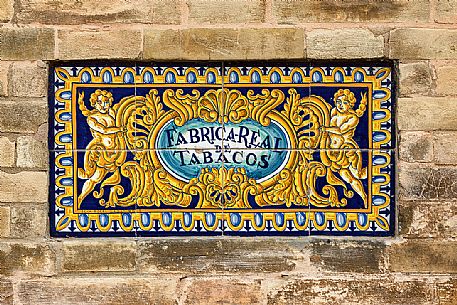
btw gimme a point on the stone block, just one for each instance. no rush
(445, 150)
(31, 258)
(226, 11)
(427, 113)
(6, 292)
(103, 43)
(415, 78)
(223, 291)
(293, 12)
(24, 43)
(22, 115)
(427, 182)
(447, 292)
(341, 256)
(344, 43)
(416, 146)
(28, 79)
(446, 77)
(224, 44)
(416, 43)
(216, 256)
(345, 291)
(446, 11)
(162, 44)
(428, 256)
(29, 221)
(427, 219)
(32, 152)
(24, 187)
(6, 10)
(99, 290)
(80, 256)
(4, 74)
(7, 149)
(4, 222)
(89, 11)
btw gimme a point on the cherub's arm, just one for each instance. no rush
(95, 125)
(345, 127)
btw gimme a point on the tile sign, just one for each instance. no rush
(206, 148)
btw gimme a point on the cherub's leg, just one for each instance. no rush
(355, 183)
(114, 179)
(357, 167)
(89, 166)
(90, 184)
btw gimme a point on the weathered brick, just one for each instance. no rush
(434, 256)
(415, 78)
(32, 152)
(4, 72)
(4, 221)
(99, 290)
(344, 43)
(435, 113)
(353, 291)
(291, 12)
(27, 257)
(427, 182)
(215, 255)
(26, 43)
(445, 150)
(24, 116)
(89, 11)
(28, 79)
(24, 187)
(427, 219)
(29, 221)
(446, 11)
(265, 43)
(162, 44)
(446, 77)
(226, 11)
(447, 292)
(98, 256)
(6, 292)
(6, 152)
(416, 146)
(415, 43)
(6, 10)
(341, 256)
(106, 43)
(223, 291)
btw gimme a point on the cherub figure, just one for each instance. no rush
(345, 156)
(104, 153)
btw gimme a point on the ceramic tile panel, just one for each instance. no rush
(230, 148)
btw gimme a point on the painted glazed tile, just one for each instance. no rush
(232, 149)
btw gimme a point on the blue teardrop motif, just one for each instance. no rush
(275, 78)
(258, 218)
(235, 219)
(66, 138)
(167, 218)
(103, 220)
(211, 78)
(362, 218)
(297, 78)
(127, 219)
(191, 78)
(339, 78)
(379, 160)
(341, 219)
(66, 201)
(317, 77)
(320, 218)
(66, 181)
(148, 78)
(301, 218)
(145, 219)
(255, 77)
(359, 77)
(170, 78)
(210, 219)
(128, 77)
(279, 218)
(379, 136)
(233, 77)
(83, 220)
(187, 219)
(378, 200)
(65, 116)
(85, 77)
(65, 95)
(107, 77)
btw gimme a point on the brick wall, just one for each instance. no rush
(418, 266)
